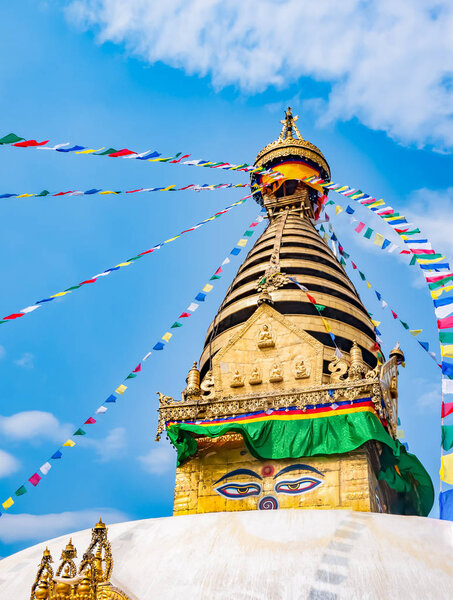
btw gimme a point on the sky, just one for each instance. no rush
(372, 86)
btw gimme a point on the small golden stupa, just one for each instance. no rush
(290, 406)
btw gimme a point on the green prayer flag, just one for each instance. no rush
(74, 287)
(215, 277)
(21, 491)
(247, 233)
(429, 256)
(413, 232)
(447, 437)
(345, 254)
(437, 284)
(342, 261)
(413, 261)
(44, 193)
(263, 280)
(134, 258)
(11, 138)
(368, 233)
(79, 432)
(320, 307)
(176, 324)
(446, 337)
(405, 325)
(330, 202)
(131, 376)
(109, 151)
(362, 276)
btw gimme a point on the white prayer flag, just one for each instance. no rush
(45, 468)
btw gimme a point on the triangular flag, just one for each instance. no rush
(395, 316)
(111, 398)
(447, 409)
(56, 455)
(121, 389)
(101, 410)
(21, 491)
(320, 307)
(90, 421)
(415, 332)
(184, 315)
(166, 337)
(79, 432)
(176, 324)
(69, 444)
(159, 346)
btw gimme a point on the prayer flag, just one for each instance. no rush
(444, 311)
(338, 210)
(30, 143)
(385, 243)
(192, 307)
(446, 468)
(207, 288)
(111, 398)
(235, 251)
(184, 315)
(395, 316)
(447, 350)
(415, 332)
(45, 468)
(241, 243)
(326, 325)
(158, 346)
(21, 491)
(446, 323)
(69, 443)
(447, 368)
(35, 479)
(79, 432)
(90, 421)
(375, 323)
(447, 437)
(446, 505)
(447, 409)
(166, 337)
(312, 300)
(379, 239)
(319, 307)
(8, 503)
(362, 276)
(368, 233)
(56, 455)
(121, 389)
(214, 277)
(176, 324)
(378, 295)
(350, 210)
(359, 227)
(405, 325)
(447, 386)
(10, 139)
(101, 410)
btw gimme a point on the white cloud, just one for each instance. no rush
(159, 460)
(34, 425)
(432, 211)
(388, 63)
(22, 527)
(2, 352)
(110, 447)
(8, 464)
(430, 397)
(26, 361)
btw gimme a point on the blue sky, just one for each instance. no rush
(86, 73)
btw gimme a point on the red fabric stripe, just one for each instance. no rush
(123, 152)
(14, 316)
(28, 143)
(87, 281)
(132, 191)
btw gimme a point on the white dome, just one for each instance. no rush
(282, 554)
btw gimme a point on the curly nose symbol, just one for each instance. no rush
(268, 503)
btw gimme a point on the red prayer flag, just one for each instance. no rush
(354, 266)
(28, 143)
(146, 252)
(219, 270)
(436, 277)
(447, 409)
(123, 152)
(405, 252)
(359, 227)
(173, 162)
(254, 224)
(88, 281)
(35, 479)
(312, 300)
(374, 347)
(63, 193)
(184, 314)
(395, 316)
(14, 316)
(90, 421)
(132, 191)
(138, 368)
(442, 323)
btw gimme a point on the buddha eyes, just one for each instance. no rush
(238, 490)
(296, 487)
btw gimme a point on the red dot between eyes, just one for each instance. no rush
(267, 471)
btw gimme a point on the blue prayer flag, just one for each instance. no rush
(443, 301)
(385, 243)
(424, 345)
(350, 210)
(111, 398)
(159, 346)
(73, 149)
(332, 336)
(447, 369)
(93, 191)
(200, 297)
(147, 156)
(378, 295)
(235, 251)
(446, 505)
(56, 455)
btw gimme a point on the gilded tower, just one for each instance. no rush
(289, 406)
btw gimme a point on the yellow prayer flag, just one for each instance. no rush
(89, 150)
(374, 204)
(59, 294)
(342, 189)
(427, 261)
(338, 210)
(327, 327)
(400, 434)
(447, 350)
(446, 468)
(69, 443)
(375, 323)
(167, 336)
(108, 192)
(379, 239)
(172, 239)
(170, 187)
(8, 503)
(437, 293)
(415, 332)
(25, 196)
(241, 243)
(124, 264)
(121, 389)
(368, 284)
(207, 288)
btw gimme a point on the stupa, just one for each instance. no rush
(292, 408)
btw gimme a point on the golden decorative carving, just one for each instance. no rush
(265, 339)
(302, 369)
(238, 379)
(275, 375)
(193, 383)
(358, 368)
(338, 368)
(90, 582)
(207, 386)
(255, 377)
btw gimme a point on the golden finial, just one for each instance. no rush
(69, 552)
(289, 124)
(100, 524)
(193, 382)
(398, 354)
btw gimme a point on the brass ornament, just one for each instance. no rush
(338, 368)
(265, 339)
(275, 375)
(238, 379)
(301, 369)
(255, 377)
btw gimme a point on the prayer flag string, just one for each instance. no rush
(36, 477)
(129, 261)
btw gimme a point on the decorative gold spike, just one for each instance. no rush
(193, 383)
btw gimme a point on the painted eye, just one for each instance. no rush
(239, 490)
(297, 487)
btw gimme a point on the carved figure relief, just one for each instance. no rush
(255, 377)
(238, 379)
(302, 369)
(207, 385)
(338, 369)
(265, 339)
(276, 374)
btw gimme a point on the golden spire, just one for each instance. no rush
(289, 124)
